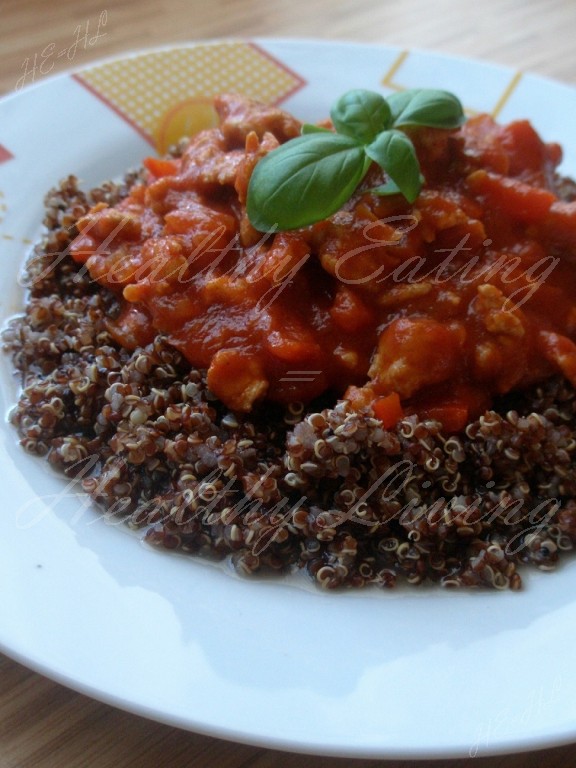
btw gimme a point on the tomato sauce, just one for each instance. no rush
(435, 307)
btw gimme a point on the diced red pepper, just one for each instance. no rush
(521, 201)
(388, 409)
(159, 167)
(561, 351)
(349, 312)
(560, 225)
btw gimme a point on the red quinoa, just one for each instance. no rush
(324, 488)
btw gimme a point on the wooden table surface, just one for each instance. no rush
(42, 724)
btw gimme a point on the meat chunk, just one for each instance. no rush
(237, 379)
(415, 353)
(207, 164)
(240, 116)
(497, 313)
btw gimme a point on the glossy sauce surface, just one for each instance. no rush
(434, 307)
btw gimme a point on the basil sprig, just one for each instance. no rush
(310, 177)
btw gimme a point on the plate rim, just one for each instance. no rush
(219, 731)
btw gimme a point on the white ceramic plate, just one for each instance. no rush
(421, 673)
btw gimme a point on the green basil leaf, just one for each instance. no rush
(427, 107)
(395, 154)
(390, 188)
(361, 115)
(310, 128)
(304, 180)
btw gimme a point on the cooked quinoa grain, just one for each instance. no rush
(323, 488)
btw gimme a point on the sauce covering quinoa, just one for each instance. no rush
(467, 293)
(384, 394)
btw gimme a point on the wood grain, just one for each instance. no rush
(42, 724)
(525, 34)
